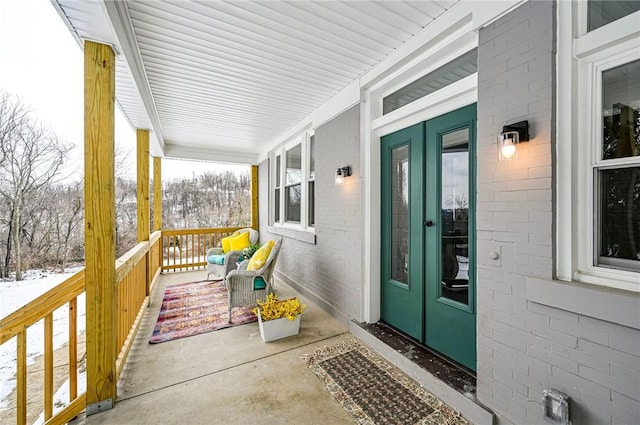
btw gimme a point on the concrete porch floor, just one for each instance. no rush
(228, 376)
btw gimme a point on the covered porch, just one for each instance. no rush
(227, 376)
(259, 84)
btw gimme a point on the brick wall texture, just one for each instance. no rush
(525, 347)
(330, 269)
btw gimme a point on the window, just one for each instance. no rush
(294, 183)
(278, 190)
(599, 147)
(603, 12)
(456, 70)
(312, 181)
(617, 171)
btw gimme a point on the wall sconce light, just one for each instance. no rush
(341, 174)
(509, 138)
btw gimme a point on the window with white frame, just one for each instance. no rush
(311, 213)
(605, 140)
(616, 169)
(294, 184)
(277, 188)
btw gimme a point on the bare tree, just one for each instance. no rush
(67, 218)
(13, 119)
(214, 199)
(32, 157)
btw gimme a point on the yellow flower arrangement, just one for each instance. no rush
(272, 308)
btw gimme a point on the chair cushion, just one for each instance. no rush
(240, 242)
(257, 261)
(259, 283)
(215, 259)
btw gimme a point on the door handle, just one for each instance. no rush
(428, 223)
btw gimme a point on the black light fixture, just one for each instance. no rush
(509, 138)
(341, 174)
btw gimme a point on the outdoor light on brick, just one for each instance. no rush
(509, 138)
(341, 174)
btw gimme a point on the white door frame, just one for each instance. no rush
(374, 125)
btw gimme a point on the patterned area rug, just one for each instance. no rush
(195, 308)
(375, 392)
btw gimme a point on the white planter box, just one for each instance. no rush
(278, 328)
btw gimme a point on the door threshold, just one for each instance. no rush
(452, 383)
(456, 376)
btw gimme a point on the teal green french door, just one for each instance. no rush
(428, 233)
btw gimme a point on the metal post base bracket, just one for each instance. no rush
(100, 406)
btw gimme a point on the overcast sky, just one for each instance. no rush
(42, 63)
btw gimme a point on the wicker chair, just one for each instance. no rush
(230, 258)
(240, 282)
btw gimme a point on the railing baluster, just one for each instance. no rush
(186, 250)
(73, 349)
(48, 366)
(21, 376)
(189, 247)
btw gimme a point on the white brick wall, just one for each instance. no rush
(331, 269)
(525, 346)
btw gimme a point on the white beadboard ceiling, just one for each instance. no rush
(228, 78)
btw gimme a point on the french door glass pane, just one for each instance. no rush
(619, 218)
(603, 12)
(455, 216)
(400, 214)
(621, 111)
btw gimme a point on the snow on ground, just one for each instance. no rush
(61, 397)
(14, 295)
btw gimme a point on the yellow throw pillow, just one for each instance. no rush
(240, 242)
(257, 261)
(226, 244)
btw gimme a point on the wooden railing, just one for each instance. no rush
(17, 323)
(136, 272)
(186, 249)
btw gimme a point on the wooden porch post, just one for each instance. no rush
(143, 224)
(254, 197)
(99, 227)
(143, 184)
(157, 193)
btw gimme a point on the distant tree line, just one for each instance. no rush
(42, 212)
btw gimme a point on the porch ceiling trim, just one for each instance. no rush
(120, 21)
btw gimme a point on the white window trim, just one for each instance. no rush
(287, 226)
(580, 63)
(310, 179)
